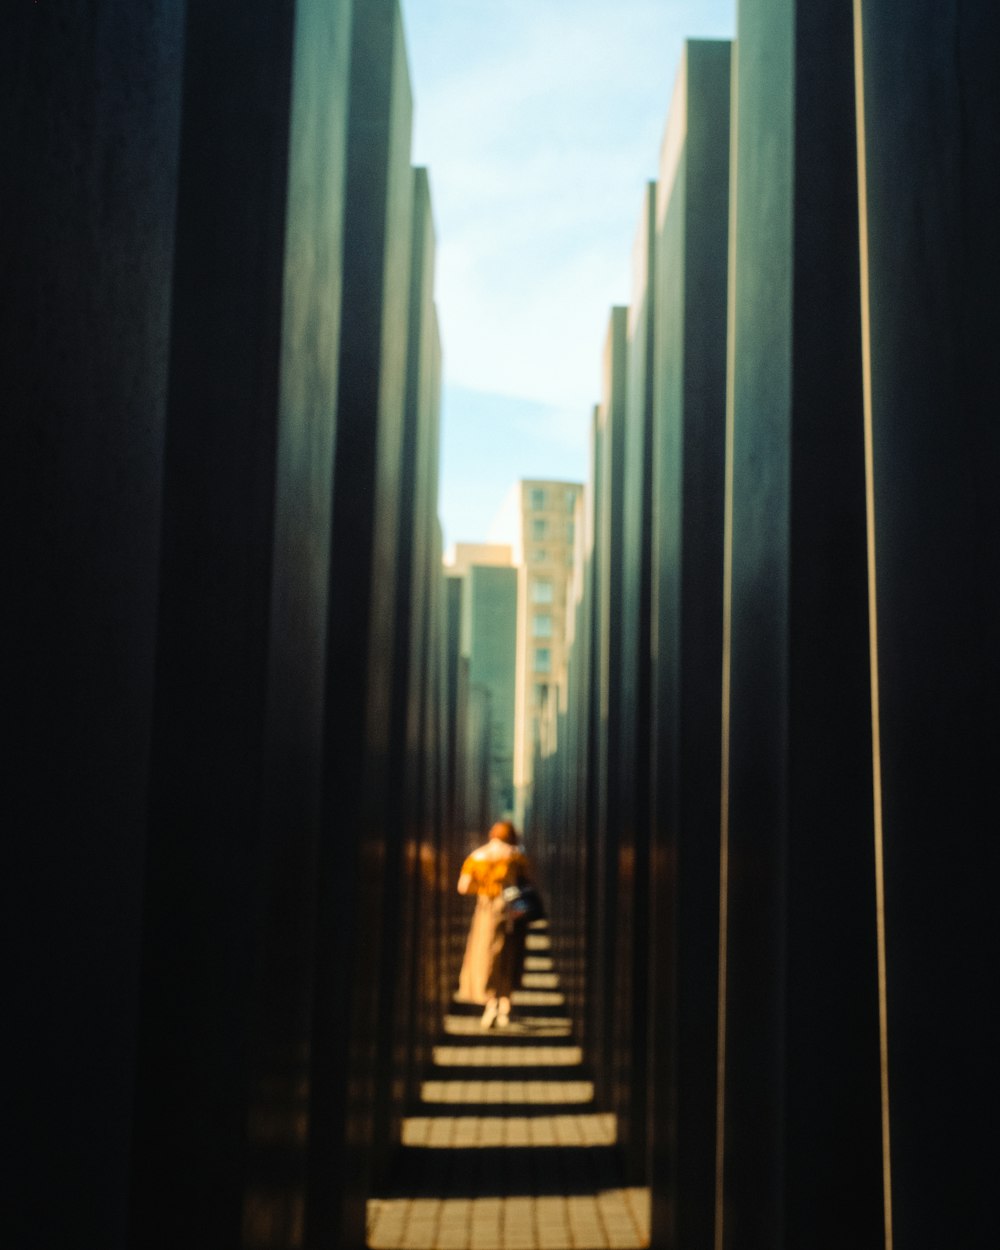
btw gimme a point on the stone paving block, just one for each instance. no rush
(598, 1129)
(537, 998)
(513, 1161)
(550, 1240)
(581, 1210)
(639, 1204)
(542, 1132)
(452, 1238)
(568, 1130)
(419, 1234)
(442, 1131)
(516, 1131)
(415, 1132)
(493, 1133)
(539, 980)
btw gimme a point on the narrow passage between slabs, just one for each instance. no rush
(507, 1151)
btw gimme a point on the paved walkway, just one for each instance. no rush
(507, 1152)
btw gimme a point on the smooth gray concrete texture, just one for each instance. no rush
(292, 780)
(933, 195)
(226, 491)
(580, 855)
(361, 622)
(689, 418)
(89, 126)
(400, 933)
(601, 827)
(452, 666)
(431, 837)
(631, 918)
(428, 844)
(567, 857)
(489, 624)
(227, 403)
(801, 1091)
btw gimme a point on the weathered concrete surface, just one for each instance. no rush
(801, 1105)
(603, 822)
(361, 616)
(630, 915)
(89, 127)
(688, 467)
(931, 106)
(251, 395)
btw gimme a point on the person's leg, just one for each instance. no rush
(490, 1012)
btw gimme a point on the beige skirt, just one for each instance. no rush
(494, 953)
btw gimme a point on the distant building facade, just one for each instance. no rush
(489, 640)
(493, 555)
(488, 582)
(546, 540)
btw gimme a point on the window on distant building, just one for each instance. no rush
(571, 501)
(570, 532)
(537, 530)
(543, 660)
(537, 498)
(541, 592)
(541, 694)
(541, 625)
(539, 555)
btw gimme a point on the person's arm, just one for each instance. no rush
(467, 880)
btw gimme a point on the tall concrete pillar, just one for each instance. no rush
(426, 847)
(367, 474)
(689, 417)
(799, 1096)
(292, 778)
(89, 130)
(405, 793)
(631, 921)
(251, 402)
(455, 682)
(601, 831)
(931, 267)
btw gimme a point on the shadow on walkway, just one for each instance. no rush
(506, 1150)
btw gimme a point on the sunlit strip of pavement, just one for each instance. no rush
(507, 1151)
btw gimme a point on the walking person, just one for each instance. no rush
(494, 952)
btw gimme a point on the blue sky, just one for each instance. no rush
(540, 122)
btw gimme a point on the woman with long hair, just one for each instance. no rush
(494, 953)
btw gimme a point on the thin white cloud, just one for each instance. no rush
(540, 122)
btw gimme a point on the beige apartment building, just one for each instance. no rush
(546, 517)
